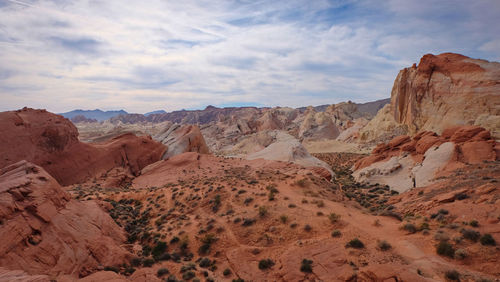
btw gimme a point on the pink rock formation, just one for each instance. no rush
(51, 141)
(447, 90)
(181, 139)
(44, 231)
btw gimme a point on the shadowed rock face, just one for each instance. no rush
(51, 141)
(44, 231)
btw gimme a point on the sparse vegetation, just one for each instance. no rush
(452, 275)
(383, 245)
(265, 264)
(470, 234)
(333, 217)
(162, 272)
(355, 243)
(487, 240)
(284, 218)
(306, 266)
(445, 249)
(336, 233)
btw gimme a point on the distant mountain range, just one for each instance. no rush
(209, 114)
(94, 114)
(155, 112)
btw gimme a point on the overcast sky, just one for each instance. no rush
(147, 55)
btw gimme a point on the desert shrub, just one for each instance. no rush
(265, 263)
(161, 272)
(226, 272)
(128, 271)
(445, 249)
(164, 256)
(148, 262)
(248, 200)
(487, 239)
(136, 261)
(460, 254)
(238, 280)
(216, 203)
(410, 227)
(292, 206)
(174, 240)
(301, 183)
(262, 211)
(283, 218)
(112, 268)
(474, 223)
(306, 266)
(187, 267)
(205, 262)
(307, 227)
(248, 221)
(424, 226)
(452, 275)
(159, 249)
(336, 233)
(333, 217)
(355, 243)
(443, 211)
(207, 240)
(188, 275)
(171, 278)
(470, 234)
(384, 245)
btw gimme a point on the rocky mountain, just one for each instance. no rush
(442, 91)
(155, 112)
(97, 114)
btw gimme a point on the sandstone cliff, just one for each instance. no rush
(442, 91)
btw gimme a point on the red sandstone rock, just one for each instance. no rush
(44, 231)
(51, 141)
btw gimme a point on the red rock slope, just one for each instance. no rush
(44, 231)
(51, 141)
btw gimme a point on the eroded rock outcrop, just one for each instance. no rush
(404, 159)
(181, 139)
(51, 141)
(44, 231)
(442, 91)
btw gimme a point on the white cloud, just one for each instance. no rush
(142, 56)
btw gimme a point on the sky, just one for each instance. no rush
(148, 55)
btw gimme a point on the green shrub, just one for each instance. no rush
(262, 211)
(410, 227)
(452, 275)
(284, 218)
(336, 233)
(470, 234)
(460, 254)
(205, 262)
(306, 266)
(265, 264)
(161, 272)
(384, 245)
(445, 249)
(148, 262)
(188, 275)
(487, 239)
(159, 249)
(355, 243)
(333, 217)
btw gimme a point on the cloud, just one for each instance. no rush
(189, 54)
(79, 45)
